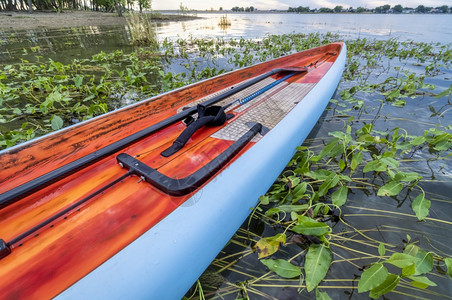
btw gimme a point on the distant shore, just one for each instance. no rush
(24, 20)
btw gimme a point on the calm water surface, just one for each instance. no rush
(422, 28)
(68, 43)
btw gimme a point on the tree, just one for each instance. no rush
(382, 9)
(444, 9)
(360, 10)
(58, 5)
(338, 8)
(397, 9)
(119, 8)
(325, 10)
(10, 5)
(146, 4)
(420, 9)
(299, 9)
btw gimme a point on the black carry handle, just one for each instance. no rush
(207, 116)
(180, 187)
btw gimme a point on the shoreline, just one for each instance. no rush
(71, 18)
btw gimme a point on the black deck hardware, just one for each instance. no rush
(207, 116)
(5, 250)
(28, 188)
(180, 187)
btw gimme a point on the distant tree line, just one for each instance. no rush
(247, 9)
(384, 9)
(58, 5)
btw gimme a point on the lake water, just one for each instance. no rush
(68, 43)
(389, 218)
(423, 28)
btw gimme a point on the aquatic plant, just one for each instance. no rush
(141, 29)
(224, 21)
(36, 98)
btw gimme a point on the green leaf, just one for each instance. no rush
(374, 165)
(381, 249)
(388, 285)
(308, 226)
(330, 182)
(321, 295)
(282, 267)
(320, 174)
(299, 190)
(421, 207)
(408, 271)
(407, 177)
(389, 161)
(399, 103)
(357, 158)
(342, 164)
(411, 249)
(401, 260)
(264, 200)
(326, 150)
(78, 80)
(337, 134)
(366, 129)
(448, 262)
(418, 141)
(442, 94)
(421, 282)
(57, 122)
(392, 188)
(317, 263)
(425, 262)
(269, 245)
(340, 196)
(408, 238)
(287, 208)
(372, 277)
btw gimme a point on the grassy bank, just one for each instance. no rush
(73, 18)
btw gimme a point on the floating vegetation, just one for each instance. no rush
(351, 201)
(141, 28)
(362, 209)
(36, 98)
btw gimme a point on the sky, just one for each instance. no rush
(284, 4)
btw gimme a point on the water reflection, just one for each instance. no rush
(432, 28)
(83, 42)
(62, 44)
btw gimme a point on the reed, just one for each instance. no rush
(224, 21)
(141, 29)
